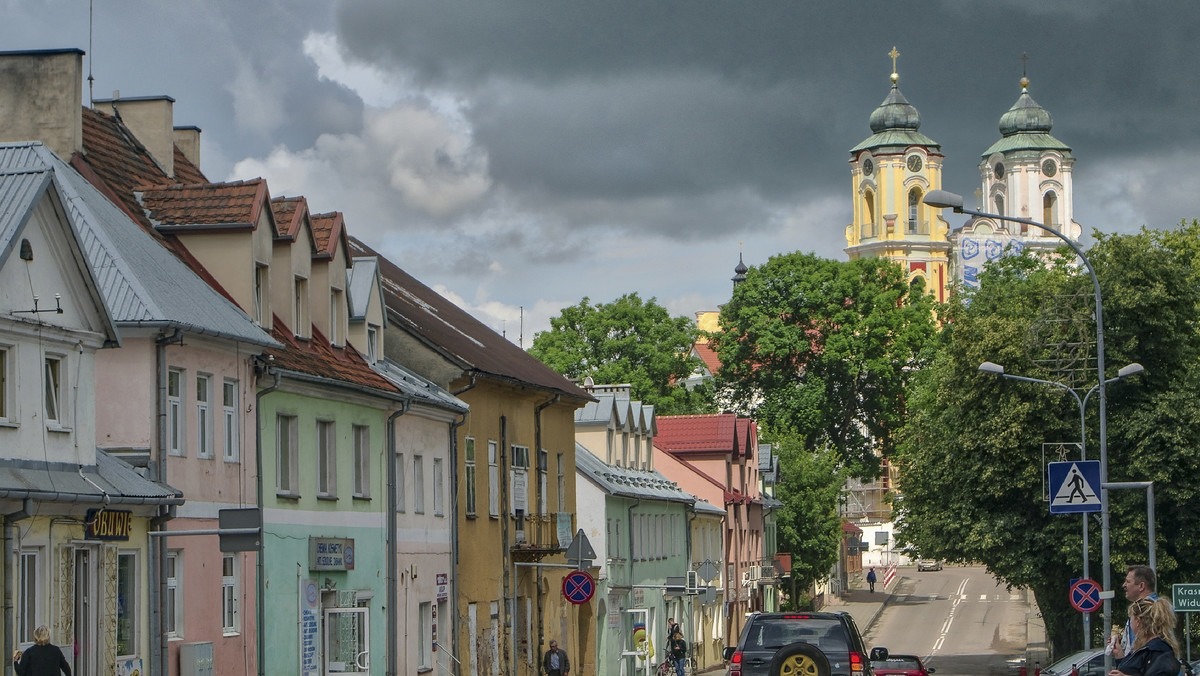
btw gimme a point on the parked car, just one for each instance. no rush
(813, 644)
(1089, 663)
(901, 665)
(928, 564)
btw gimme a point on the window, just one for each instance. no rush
(326, 460)
(868, 226)
(5, 397)
(493, 480)
(418, 484)
(519, 481)
(204, 421)
(286, 462)
(260, 295)
(127, 602)
(469, 458)
(232, 438)
(372, 344)
(335, 316)
(425, 642)
(175, 412)
(999, 205)
(1050, 209)
(562, 485)
(914, 203)
(438, 507)
(29, 615)
(300, 310)
(625, 449)
(543, 458)
(53, 386)
(610, 442)
(362, 461)
(173, 602)
(399, 482)
(229, 594)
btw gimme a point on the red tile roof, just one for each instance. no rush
(328, 230)
(317, 357)
(289, 213)
(708, 356)
(719, 433)
(460, 338)
(237, 204)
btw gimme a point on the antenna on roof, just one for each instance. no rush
(91, 80)
(521, 329)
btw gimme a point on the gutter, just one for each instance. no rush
(262, 367)
(392, 621)
(537, 442)
(12, 548)
(156, 552)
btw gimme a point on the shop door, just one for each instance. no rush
(87, 605)
(347, 641)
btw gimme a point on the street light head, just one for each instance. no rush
(1130, 370)
(991, 367)
(941, 199)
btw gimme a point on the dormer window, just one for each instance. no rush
(335, 316)
(300, 310)
(372, 344)
(261, 312)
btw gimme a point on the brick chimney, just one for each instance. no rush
(187, 139)
(151, 119)
(41, 98)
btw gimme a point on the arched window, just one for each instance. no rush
(915, 226)
(1050, 209)
(868, 226)
(1000, 205)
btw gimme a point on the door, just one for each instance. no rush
(347, 641)
(86, 620)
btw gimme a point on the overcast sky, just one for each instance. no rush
(528, 153)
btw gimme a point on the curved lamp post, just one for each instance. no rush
(941, 199)
(1125, 372)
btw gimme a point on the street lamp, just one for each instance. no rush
(1124, 372)
(940, 199)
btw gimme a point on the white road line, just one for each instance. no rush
(959, 597)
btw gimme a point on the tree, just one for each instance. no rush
(823, 349)
(808, 524)
(970, 456)
(627, 341)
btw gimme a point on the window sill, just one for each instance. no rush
(365, 498)
(9, 423)
(230, 634)
(327, 497)
(287, 495)
(424, 670)
(58, 429)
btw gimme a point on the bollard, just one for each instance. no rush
(1022, 671)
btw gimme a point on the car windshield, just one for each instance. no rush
(1079, 659)
(825, 634)
(897, 662)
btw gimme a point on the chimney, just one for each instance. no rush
(187, 139)
(151, 119)
(41, 98)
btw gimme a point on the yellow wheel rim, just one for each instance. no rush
(798, 665)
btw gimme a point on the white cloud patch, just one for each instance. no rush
(257, 101)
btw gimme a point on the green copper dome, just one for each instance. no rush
(1026, 126)
(895, 123)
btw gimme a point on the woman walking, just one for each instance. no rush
(43, 658)
(1155, 651)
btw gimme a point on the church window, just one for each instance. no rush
(999, 205)
(915, 225)
(868, 226)
(1050, 209)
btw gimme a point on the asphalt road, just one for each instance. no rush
(959, 620)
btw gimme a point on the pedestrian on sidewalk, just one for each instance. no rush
(555, 662)
(871, 578)
(1139, 584)
(1155, 652)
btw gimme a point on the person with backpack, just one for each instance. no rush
(871, 579)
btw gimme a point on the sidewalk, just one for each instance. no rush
(862, 605)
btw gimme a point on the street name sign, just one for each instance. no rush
(1074, 486)
(1185, 597)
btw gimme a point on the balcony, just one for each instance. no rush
(914, 226)
(535, 536)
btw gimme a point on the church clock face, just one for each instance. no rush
(1049, 168)
(914, 163)
(999, 170)
(868, 167)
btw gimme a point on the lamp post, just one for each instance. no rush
(1125, 372)
(941, 199)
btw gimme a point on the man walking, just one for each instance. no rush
(555, 662)
(871, 579)
(1139, 584)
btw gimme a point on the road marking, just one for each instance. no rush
(959, 597)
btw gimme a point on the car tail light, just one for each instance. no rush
(735, 664)
(856, 662)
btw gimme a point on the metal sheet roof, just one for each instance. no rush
(110, 481)
(419, 388)
(626, 482)
(142, 283)
(362, 276)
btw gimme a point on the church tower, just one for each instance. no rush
(1025, 174)
(890, 173)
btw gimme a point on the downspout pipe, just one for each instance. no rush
(156, 551)
(13, 548)
(537, 440)
(262, 367)
(453, 592)
(392, 547)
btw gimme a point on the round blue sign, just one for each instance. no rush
(1085, 595)
(578, 587)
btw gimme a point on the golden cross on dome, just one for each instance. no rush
(893, 54)
(1024, 62)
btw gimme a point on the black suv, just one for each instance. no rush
(801, 644)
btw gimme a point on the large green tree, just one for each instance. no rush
(822, 349)
(628, 341)
(972, 453)
(808, 524)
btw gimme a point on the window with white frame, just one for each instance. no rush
(6, 398)
(173, 601)
(609, 443)
(400, 499)
(204, 416)
(262, 312)
(519, 480)
(543, 459)
(286, 454)
(372, 343)
(438, 507)
(562, 485)
(127, 603)
(231, 441)
(336, 315)
(469, 470)
(493, 479)
(53, 385)
(425, 636)
(175, 426)
(29, 614)
(326, 460)
(362, 461)
(418, 484)
(300, 308)
(230, 623)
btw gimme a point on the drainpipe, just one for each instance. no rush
(262, 366)
(510, 577)
(537, 441)
(453, 591)
(13, 548)
(156, 550)
(393, 623)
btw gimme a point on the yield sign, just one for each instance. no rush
(1085, 595)
(578, 587)
(1074, 486)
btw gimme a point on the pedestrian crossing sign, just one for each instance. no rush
(1074, 486)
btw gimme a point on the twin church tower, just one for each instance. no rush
(1025, 174)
